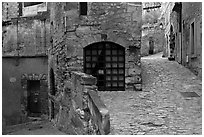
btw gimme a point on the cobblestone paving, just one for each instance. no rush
(34, 128)
(159, 109)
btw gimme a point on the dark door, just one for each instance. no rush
(151, 46)
(34, 98)
(106, 61)
(52, 91)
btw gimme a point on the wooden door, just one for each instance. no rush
(106, 61)
(151, 46)
(34, 98)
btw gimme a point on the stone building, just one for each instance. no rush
(185, 34)
(25, 38)
(152, 33)
(97, 38)
(166, 8)
(101, 39)
(152, 39)
(51, 51)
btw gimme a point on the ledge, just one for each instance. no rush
(97, 101)
(103, 112)
(34, 56)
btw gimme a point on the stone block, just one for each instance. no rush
(129, 87)
(134, 71)
(76, 121)
(96, 99)
(129, 65)
(78, 86)
(69, 85)
(83, 29)
(62, 117)
(88, 80)
(66, 99)
(78, 100)
(70, 5)
(133, 80)
(138, 87)
(69, 69)
(91, 87)
(99, 109)
(105, 121)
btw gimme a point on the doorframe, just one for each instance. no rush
(24, 84)
(29, 93)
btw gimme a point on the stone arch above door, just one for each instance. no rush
(115, 39)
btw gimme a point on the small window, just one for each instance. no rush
(83, 8)
(33, 8)
(26, 4)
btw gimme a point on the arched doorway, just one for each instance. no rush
(106, 61)
(52, 91)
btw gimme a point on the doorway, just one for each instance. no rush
(151, 46)
(52, 92)
(106, 61)
(34, 103)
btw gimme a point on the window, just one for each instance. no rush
(32, 8)
(192, 39)
(83, 8)
(26, 4)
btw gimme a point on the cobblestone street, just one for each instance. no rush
(161, 108)
(33, 128)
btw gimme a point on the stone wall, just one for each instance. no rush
(24, 35)
(81, 110)
(28, 37)
(24, 58)
(43, 96)
(166, 9)
(10, 10)
(192, 11)
(71, 32)
(175, 32)
(16, 73)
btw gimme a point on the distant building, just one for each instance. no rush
(166, 8)
(152, 31)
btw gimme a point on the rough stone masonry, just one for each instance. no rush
(72, 31)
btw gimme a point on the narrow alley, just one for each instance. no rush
(170, 103)
(100, 68)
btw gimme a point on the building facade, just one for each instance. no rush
(44, 42)
(97, 38)
(103, 43)
(152, 33)
(191, 46)
(166, 8)
(184, 34)
(25, 38)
